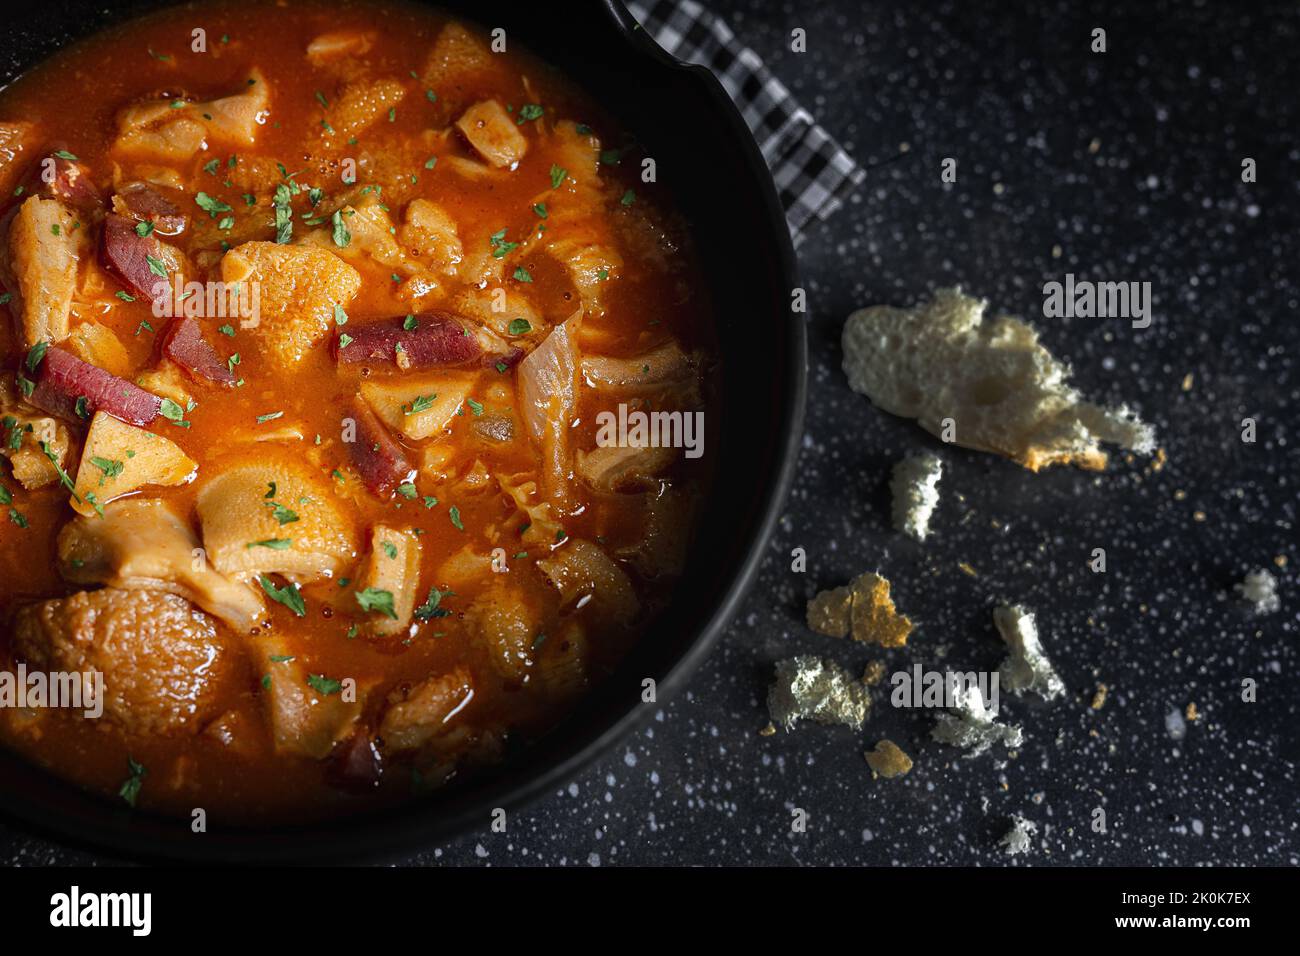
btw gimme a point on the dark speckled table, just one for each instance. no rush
(1123, 166)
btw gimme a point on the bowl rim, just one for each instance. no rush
(412, 827)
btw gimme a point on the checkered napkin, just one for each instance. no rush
(813, 174)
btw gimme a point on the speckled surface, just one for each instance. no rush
(1117, 167)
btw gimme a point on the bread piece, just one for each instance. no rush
(1002, 390)
(1026, 667)
(809, 688)
(915, 487)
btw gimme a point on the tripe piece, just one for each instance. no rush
(915, 487)
(809, 688)
(1027, 667)
(984, 384)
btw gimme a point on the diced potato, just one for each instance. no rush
(665, 535)
(591, 582)
(504, 620)
(240, 511)
(417, 715)
(418, 407)
(455, 53)
(493, 133)
(361, 104)
(299, 287)
(43, 252)
(118, 459)
(140, 543)
(95, 344)
(160, 659)
(579, 154)
(429, 234)
(393, 566)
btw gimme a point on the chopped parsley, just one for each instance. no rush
(376, 600)
(289, 595)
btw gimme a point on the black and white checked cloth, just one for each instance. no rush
(813, 174)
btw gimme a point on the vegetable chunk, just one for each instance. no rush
(418, 407)
(118, 459)
(276, 498)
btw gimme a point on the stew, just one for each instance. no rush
(352, 405)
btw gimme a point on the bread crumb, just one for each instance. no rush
(809, 688)
(1159, 460)
(1259, 588)
(972, 726)
(1191, 713)
(863, 609)
(915, 489)
(888, 760)
(1027, 666)
(1188, 381)
(1099, 698)
(768, 731)
(966, 568)
(874, 673)
(985, 383)
(1019, 838)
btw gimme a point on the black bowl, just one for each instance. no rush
(706, 155)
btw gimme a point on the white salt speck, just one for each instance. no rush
(629, 758)
(1175, 724)
(573, 789)
(1198, 827)
(593, 859)
(480, 850)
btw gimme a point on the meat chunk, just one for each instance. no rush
(300, 288)
(41, 269)
(16, 139)
(162, 130)
(145, 265)
(504, 620)
(430, 235)
(69, 181)
(589, 265)
(376, 456)
(588, 579)
(623, 468)
(335, 45)
(161, 660)
(417, 714)
(147, 202)
(118, 459)
(308, 713)
(547, 382)
(141, 544)
(249, 505)
(455, 54)
(184, 344)
(72, 389)
(438, 338)
(421, 406)
(389, 580)
(493, 134)
(360, 105)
